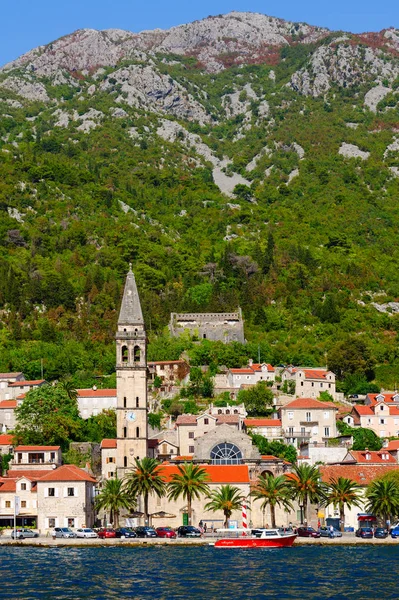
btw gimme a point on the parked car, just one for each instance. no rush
(144, 531)
(106, 533)
(325, 532)
(395, 532)
(188, 531)
(126, 532)
(380, 532)
(23, 532)
(166, 532)
(86, 532)
(63, 532)
(364, 532)
(308, 532)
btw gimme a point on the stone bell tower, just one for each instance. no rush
(131, 380)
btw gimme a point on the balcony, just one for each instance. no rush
(297, 433)
(309, 423)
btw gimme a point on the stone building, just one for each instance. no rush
(108, 459)
(131, 380)
(223, 327)
(308, 420)
(5, 380)
(93, 401)
(309, 383)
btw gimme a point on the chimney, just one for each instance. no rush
(250, 362)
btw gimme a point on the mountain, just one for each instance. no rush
(238, 160)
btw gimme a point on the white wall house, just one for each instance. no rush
(309, 383)
(92, 402)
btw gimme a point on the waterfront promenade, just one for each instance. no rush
(43, 541)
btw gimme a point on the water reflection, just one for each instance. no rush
(198, 573)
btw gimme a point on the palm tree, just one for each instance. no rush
(227, 499)
(273, 491)
(189, 483)
(69, 388)
(305, 486)
(340, 492)
(114, 497)
(145, 479)
(383, 498)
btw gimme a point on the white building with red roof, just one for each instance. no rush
(5, 380)
(308, 420)
(269, 428)
(309, 383)
(250, 375)
(23, 387)
(378, 415)
(93, 401)
(50, 495)
(108, 459)
(6, 445)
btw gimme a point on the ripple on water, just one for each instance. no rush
(105, 573)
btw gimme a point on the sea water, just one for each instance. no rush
(167, 572)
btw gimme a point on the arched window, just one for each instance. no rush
(136, 354)
(235, 411)
(125, 354)
(220, 412)
(227, 412)
(226, 454)
(137, 431)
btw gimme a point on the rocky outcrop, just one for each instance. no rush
(345, 65)
(352, 151)
(143, 86)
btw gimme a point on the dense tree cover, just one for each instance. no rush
(306, 263)
(48, 415)
(258, 399)
(274, 448)
(362, 438)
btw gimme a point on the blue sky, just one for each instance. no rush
(26, 24)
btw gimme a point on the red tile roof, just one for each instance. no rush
(363, 410)
(315, 373)
(270, 457)
(380, 457)
(392, 445)
(308, 403)
(8, 404)
(27, 383)
(262, 422)
(10, 375)
(186, 420)
(362, 474)
(6, 439)
(36, 448)
(258, 366)
(68, 473)
(90, 393)
(108, 443)
(32, 474)
(230, 419)
(217, 473)
(166, 362)
(242, 371)
(388, 398)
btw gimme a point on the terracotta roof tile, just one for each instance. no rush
(246, 371)
(262, 422)
(315, 373)
(308, 403)
(388, 398)
(6, 439)
(186, 420)
(36, 448)
(392, 445)
(25, 383)
(8, 404)
(32, 474)
(10, 375)
(362, 474)
(217, 473)
(68, 473)
(166, 362)
(108, 443)
(363, 410)
(229, 419)
(380, 457)
(90, 393)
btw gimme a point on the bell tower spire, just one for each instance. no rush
(131, 379)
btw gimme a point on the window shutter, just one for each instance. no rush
(75, 491)
(56, 492)
(46, 492)
(65, 492)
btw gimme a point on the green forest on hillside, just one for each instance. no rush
(306, 259)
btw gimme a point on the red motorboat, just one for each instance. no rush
(269, 538)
